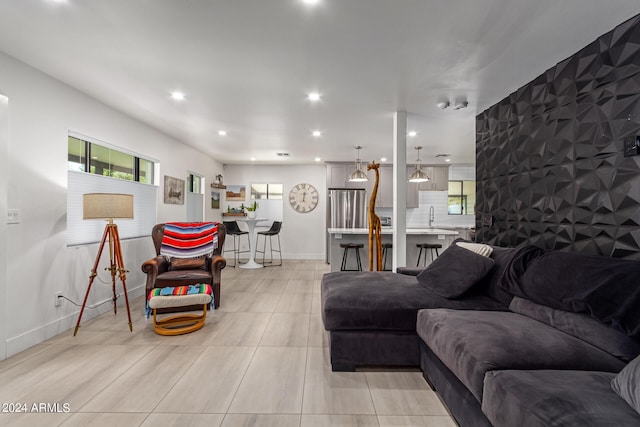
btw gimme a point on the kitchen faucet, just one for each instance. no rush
(432, 215)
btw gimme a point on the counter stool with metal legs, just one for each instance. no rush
(273, 231)
(386, 248)
(346, 247)
(232, 229)
(427, 247)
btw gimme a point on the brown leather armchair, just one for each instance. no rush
(161, 275)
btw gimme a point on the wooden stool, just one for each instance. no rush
(179, 296)
(386, 248)
(430, 247)
(346, 247)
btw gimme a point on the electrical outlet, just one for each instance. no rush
(59, 298)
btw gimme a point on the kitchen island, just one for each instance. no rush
(361, 235)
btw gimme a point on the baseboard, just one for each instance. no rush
(42, 333)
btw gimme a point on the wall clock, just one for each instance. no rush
(303, 198)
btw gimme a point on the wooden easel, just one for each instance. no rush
(116, 267)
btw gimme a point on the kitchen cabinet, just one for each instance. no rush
(338, 175)
(439, 178)
(385, 189)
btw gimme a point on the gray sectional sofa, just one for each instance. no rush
(524, 337)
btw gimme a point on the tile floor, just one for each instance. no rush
(261, 360)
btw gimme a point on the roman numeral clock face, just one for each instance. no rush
(303, 198)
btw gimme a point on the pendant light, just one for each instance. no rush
(418, 174)
(358, 175)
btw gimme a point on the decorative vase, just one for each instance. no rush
(251, 214)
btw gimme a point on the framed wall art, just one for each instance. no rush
(173, 190)
(215, 200)
(236, 193)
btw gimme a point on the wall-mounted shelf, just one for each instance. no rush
(214, 185)
(233, 214)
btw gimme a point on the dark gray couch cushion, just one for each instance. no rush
(554, 398)
(384, 300)
(605, 288)
(627, 384)
(580, 326)
(473, 343)
(455, 271)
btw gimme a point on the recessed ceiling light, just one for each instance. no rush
(447, 160)
(316, 134)
(317, 159)
(222, 132)
(178, 96)
(412, 133)
(311, 2)
(253, 159)
(383, 159)
(314, 96)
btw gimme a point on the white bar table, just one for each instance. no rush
(252, 226)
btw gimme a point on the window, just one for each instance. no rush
(100, 159)
(97, 167)
(266, 191)
(462, 198)
(194, 183)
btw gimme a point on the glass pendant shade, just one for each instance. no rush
(418, 174)
(358, 175)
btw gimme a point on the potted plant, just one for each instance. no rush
(251, 209)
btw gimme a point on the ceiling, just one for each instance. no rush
(246, 66)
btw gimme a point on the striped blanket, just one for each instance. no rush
(202, 288)
(189, 239)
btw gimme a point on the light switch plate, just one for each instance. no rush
(13, 216)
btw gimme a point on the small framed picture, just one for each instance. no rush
(236, 193)
(215, 200)
(173, 190)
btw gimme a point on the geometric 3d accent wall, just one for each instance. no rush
(551, 169)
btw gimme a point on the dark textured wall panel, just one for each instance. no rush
(550, 165)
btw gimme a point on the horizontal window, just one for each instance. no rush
(95, 167)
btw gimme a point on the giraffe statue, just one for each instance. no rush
(375, 228)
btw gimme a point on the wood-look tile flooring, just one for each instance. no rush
(261, 360)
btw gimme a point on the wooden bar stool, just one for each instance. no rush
(427, 247)
(345, 253)
(386, 248)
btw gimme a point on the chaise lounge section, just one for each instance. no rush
(560, 329)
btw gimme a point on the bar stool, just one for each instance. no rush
(427, 247)
(386, 248)
(346, 247)
(234, 230)
(273, 231)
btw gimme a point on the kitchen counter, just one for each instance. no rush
(389, 230)
(361, 235)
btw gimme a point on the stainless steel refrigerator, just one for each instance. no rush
(346, 208)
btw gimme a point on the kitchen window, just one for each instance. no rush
(462, 198)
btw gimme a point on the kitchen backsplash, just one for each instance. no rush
(419, 217)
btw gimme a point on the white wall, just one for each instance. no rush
(4, 136)
(41, 112)
(303, 234)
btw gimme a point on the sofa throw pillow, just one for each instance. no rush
(188, 264)
(627, 384)
(454, 272)
(479, 248)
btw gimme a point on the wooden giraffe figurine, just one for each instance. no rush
(375, 228)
